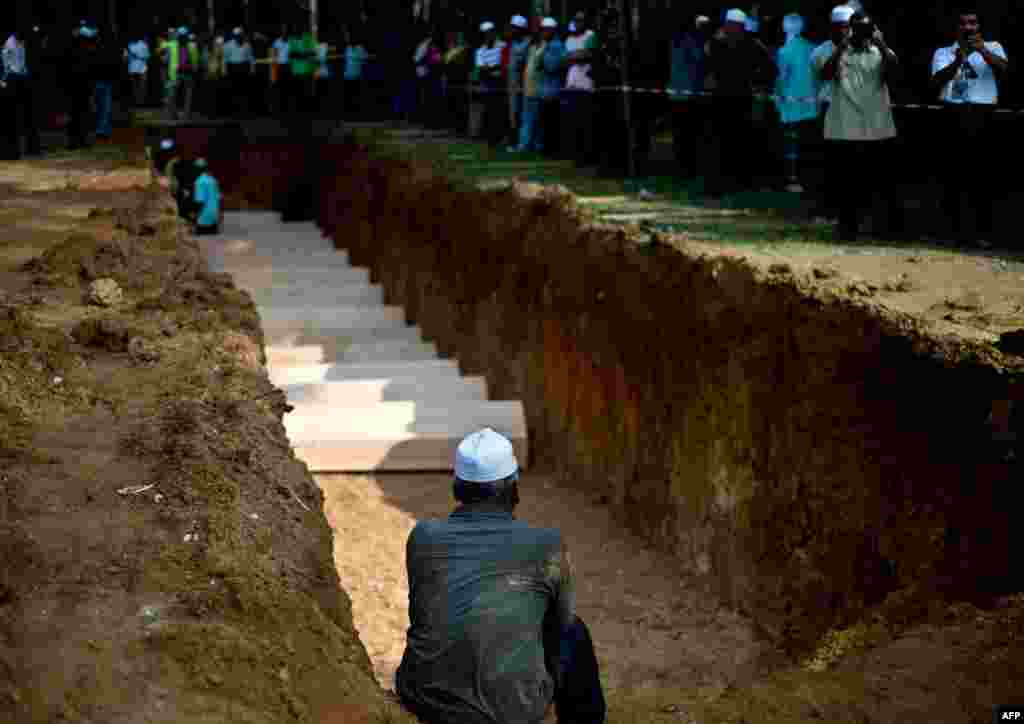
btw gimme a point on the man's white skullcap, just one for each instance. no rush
(201, 163)
(486, 26)
(485, 456)
(182, 31)
(167, 144)
(702, 19)
(549, 23)
(572, 26)
(736, 16)
(842, 13)
(89, 32)
(519, 21)
(237, 31)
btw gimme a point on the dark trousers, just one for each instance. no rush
(966, 192)
(687, 131)
(78, 134)
(730, 126)
(283, 90)
(859, 181)
(239, 84)
(577, 122)
(550, 119)
(572, 663)
(20, 119)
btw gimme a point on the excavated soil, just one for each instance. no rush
(163, 555)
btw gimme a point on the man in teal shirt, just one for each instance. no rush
(207, 198)
(493, 636)
(796, 90)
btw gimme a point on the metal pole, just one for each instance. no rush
(314, 18)
(211, 17)
(626, 43)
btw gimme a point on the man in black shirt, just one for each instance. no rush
(737, 62)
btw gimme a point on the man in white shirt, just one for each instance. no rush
(859, 123)
(137, 55)
(16, 90)
(966, 76)
(839, 31)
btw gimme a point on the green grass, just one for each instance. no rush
(679, 207)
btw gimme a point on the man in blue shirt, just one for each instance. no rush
(493, 636)
(686, 83)
(207, 200)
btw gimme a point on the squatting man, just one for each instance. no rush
(493, 635)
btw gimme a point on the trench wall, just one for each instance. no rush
(807, 455)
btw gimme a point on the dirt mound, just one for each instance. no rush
(165, 556)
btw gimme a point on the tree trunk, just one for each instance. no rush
(625, 28)
(211, 17)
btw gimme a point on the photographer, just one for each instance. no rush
(965, 75)
(859, 124)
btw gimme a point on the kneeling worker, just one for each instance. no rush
(206, 199)
(493, 636)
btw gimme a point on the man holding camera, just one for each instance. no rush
(965, 76)
(859, 124)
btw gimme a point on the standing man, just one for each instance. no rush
(859, 125)
(16, 89)
(239, 64)
(966, 77)
(79, 76)
(839, 32)
(302, 57)
(518, 49)
(738, 62)
(281, 70)
(108, 71)
(137, 54)
(796, 97)
(552, 79)
(488, 77)
(577, 101)
(686, 83)
(206, 201)
(493, 633)
(352, 90)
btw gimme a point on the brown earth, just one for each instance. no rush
(163, 555)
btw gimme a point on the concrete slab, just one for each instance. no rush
(382, 420)
(296, 334)
(387, 351)
(425, 370)
(284, 295)
(359, 393)
(349, 316)
(258, 277)
(410, 452)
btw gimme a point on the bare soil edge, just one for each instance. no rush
(163, 555)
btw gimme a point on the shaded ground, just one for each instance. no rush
(163, 557)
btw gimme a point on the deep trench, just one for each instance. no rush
(789, 565)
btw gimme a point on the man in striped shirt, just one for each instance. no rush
(16, 89)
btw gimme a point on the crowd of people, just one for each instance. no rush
(532, 86)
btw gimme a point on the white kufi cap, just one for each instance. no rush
(167, 144)
(485, 456)
(842, 13)
(549, 23)
(736, 16)
(486, 26)
(519, 21)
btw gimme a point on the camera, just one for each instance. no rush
(861, 32)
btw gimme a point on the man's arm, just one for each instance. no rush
(889, 58)
(830, 71)
(944, 74)
(995, 57)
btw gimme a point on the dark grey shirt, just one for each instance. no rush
(483, 590)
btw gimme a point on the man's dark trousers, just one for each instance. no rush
(22, 119)
(963, 185)
(860, 177)
(731, 124)
(572, 663)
